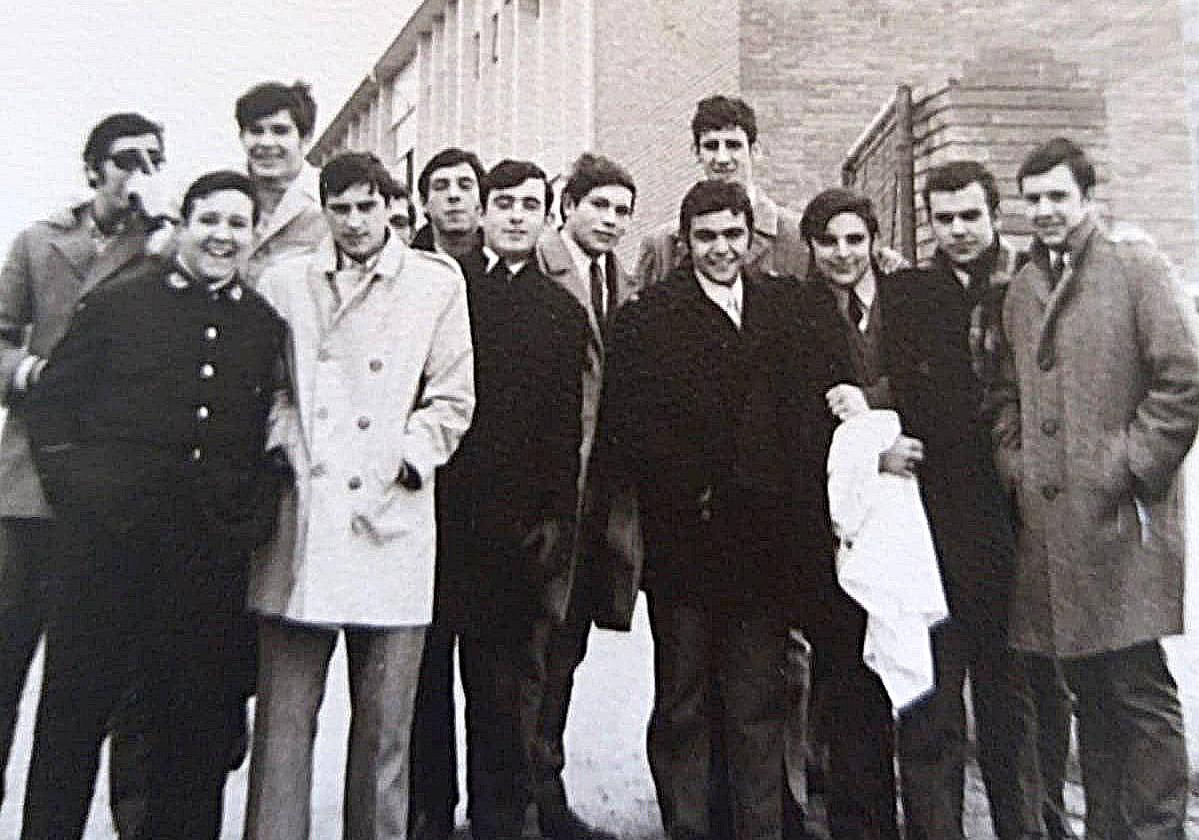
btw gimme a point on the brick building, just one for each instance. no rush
(546, 79)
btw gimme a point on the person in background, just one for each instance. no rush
(275, 124)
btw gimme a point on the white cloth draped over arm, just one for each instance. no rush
(885, 560)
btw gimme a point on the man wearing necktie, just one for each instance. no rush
(1098, 406)
(853, 711)
(714, 413)
(597, 203)
(380, 392)
(508, 498)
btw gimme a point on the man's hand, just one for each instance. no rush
(150, 194)
(902, 458)
(846, 401)
(889, 260)
(544, 541)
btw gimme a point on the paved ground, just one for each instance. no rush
(606, 772)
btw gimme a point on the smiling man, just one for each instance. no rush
(714, 413)
(724, 134)
(1100, 404)
(597, 203)
(275, 124)
(380, 393)
(509, 495)
(149, 421)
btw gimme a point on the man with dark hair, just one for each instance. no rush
(381, 391)
(403, 214)
(509, 495)
(148, 423)
(1099, 406)
(942, 337)
(50, 265)
(724, 133)
(714, 411)
(275, 124)
(449, 186)
(597, 204)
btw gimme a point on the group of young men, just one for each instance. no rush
(488, 433)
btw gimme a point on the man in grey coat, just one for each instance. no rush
(1099, 407)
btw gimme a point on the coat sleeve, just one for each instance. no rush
(1001, 410)
(446, 402)
(562, 427)
(1163, 427)
(15, 311)
(654, 258)
(283, 422)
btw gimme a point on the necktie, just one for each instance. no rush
(855, 311)
(1059, 266)
(733, 307)
(597, 291)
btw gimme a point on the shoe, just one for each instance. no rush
(570, 826)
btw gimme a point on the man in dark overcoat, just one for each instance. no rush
(1099, 407)
(714, 411)
(508, 496)
(941, 344)
(148, 423)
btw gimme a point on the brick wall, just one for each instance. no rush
(653, 61)
(818, 70)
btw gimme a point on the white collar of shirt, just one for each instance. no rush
(493, 258)
(729, 298)
(583, 263)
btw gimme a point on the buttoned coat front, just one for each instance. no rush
(384, 378)
(50, 266)
(1103, 388)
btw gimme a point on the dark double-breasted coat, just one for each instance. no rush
(518, 465)
(679, 377)
(156, 401)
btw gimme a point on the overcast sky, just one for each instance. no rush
(65, 65)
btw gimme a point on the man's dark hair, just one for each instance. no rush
(511, 173)
(401, 193)
(717, 112)
(271, 97)
(591, 171)
(108, 130)
(445, 159)
(832, 203)
(957, 175)
(712, 196)
(352, 168)
(219, 181)
(1054, 152)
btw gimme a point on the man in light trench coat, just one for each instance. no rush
(1100, 406)
(382, 390)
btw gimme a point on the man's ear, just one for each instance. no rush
(94, 177)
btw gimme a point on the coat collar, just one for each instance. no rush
(766, 214)
(1077, 244)
(301, 194)
(75, 244)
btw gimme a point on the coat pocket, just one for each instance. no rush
(388, 512)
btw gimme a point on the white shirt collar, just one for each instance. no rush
(493, 258)
(730, 298)
(582, 262)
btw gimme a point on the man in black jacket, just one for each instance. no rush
(148, 423)
(508, 496)
(941, 346)
(449, 186)
(714, 410)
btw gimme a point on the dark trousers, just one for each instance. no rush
(27, 550)
(503, 677)
(152, 611)
(434, 751)
(566, 645)
(1054, 707)
(933, 743)
(854, 718)
(1131, 744)
(717, 673)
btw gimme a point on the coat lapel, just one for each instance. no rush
(296, 198)
(1055, 300)
(129, 245)
(558, 265)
